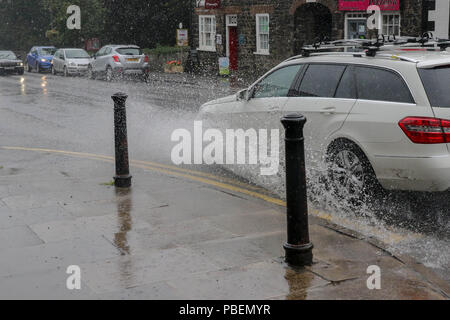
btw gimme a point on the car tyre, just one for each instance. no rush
(21, 72)
(350, 174)
(54, 71)
(38, 68)
(91, 74)
(109, 74)
(29, 68)
(65, 72)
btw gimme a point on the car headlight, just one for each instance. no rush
(72, 64)
(43, 60)
(20, 64)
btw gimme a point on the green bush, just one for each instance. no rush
(163, 50)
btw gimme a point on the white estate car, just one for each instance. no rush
(375, 120)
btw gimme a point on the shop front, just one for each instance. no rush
(356, 16)
(251, 36)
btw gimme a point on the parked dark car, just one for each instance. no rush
(9, 63)
(40, 59)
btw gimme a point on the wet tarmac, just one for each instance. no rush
(57, 210)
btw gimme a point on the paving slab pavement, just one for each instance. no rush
(169, 237)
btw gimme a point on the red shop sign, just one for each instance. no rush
(212, 4)
(362, 5)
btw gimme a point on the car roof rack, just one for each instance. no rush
(371, 47)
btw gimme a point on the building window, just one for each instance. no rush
(207, 36)
(262, 34)
(391, 24)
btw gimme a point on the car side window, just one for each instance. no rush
(108, 51)
(321, 80)
(278, 83)
(57, 54)
(381, 85)
(347, 85)
(101, 52)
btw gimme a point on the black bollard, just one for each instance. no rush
(298, 247)
(122, 178)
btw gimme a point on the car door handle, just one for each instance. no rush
(330, 110)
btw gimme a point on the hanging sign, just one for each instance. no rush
(362, 5)
(212, 4)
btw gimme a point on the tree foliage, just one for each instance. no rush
(27, 23)
(22, 25)
(146, 23)
(92, 21)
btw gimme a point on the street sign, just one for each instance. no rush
(182, 37)
(224, 66)
(92, 44)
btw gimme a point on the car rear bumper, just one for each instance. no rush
(130, 71)
(429, 174)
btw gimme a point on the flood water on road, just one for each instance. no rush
(39, 110)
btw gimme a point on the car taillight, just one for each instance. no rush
(426, 130)
(146, 59)
(116, 58)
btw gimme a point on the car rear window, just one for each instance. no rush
(436, 82)
(381, 85)
(129, 51)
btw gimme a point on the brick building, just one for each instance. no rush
(257, 34)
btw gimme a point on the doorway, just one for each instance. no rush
(312, 21)
(233, 47)
(356, 28)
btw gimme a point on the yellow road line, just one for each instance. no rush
(140, 162)
(162, 169)
(203, 178)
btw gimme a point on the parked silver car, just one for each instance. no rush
(116, 61)
(70, 62)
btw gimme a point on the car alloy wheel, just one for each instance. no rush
(350, 173)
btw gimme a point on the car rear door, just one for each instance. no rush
(385, 99)
(325, 94)
(436, 81)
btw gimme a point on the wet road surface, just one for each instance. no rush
(75, 114)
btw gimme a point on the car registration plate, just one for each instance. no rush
(133, 59)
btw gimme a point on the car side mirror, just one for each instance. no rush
(19, 56)
(242, 95)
